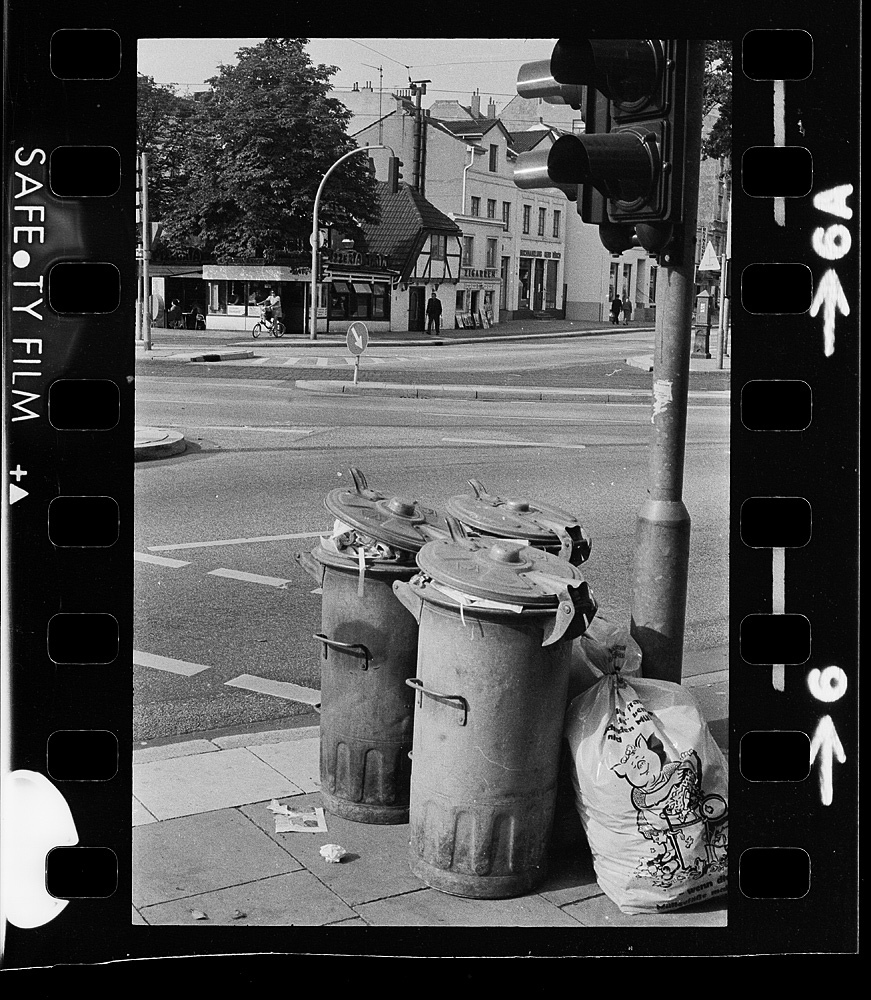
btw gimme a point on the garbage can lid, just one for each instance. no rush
(499, 570)
(538, 523)
(397, 521)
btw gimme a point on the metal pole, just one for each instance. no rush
(146, 256)
(662, 536)
(313, 307)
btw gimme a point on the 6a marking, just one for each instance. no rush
(831, 244)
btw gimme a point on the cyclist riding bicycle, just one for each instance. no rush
(273, 310)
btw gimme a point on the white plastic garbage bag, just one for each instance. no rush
(651, 789)
(605, 647)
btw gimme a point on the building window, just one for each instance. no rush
(491, 208)
(556, 222)
(494, 153)
(506, 213)
(491, 253)
(476, 206)
(437, 246)
(542, 212)
(460, 297)
(527, 215)
(468, 250)
(359, 300)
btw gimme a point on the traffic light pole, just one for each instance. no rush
(662, 537)
(313, 306)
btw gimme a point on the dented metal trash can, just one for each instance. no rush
(496, 619)
(541, 525)
(367, 648)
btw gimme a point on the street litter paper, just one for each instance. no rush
(289, 820)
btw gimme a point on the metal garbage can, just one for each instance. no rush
(541, 525)
(496, 619)
(367, 648)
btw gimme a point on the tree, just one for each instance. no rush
(718, 95)
(260, 141)
(161, 117)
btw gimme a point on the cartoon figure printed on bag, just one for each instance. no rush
(687, 827)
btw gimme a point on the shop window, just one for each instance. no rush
(491, 208)
(217, 298)
(460, 299)
(476, 205)
(359, 300)
(494, 159)
(541, 219)
(527, 215)
(257, 292)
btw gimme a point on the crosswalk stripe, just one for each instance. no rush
(235, 574)
(167, 663)
(322, 362)
(290, 362)
(239, 541)
(278, 689)
(159, 560)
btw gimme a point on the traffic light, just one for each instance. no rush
(394, 173)
(629, 161)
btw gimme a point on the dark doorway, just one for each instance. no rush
(293, 305)
(415, 308)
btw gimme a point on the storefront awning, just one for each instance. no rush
(362, 287)
(341, 287)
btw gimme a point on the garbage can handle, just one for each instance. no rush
(418, 685)
(353, 648)
(359, 479)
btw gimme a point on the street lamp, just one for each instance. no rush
(313, 332)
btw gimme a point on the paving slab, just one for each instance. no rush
(141, 815)
(375, 866)
(136, 917)
(431, 908)
(204, 782)
(197, 854)
(169, 750)
(297, 899)
(599, 911)
(298, 761)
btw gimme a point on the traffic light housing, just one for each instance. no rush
(628, 164)
(394, 173)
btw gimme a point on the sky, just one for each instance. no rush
(456, 66)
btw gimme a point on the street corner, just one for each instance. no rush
(156, 442)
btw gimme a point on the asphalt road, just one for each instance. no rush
(262, 456)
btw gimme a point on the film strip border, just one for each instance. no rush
(69, 421)
(794, 557)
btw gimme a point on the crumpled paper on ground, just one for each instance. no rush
(332, 852)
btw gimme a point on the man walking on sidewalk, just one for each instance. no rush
(433, 314)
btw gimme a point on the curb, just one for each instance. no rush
(333, 387)
(155, 442)
(184, 356)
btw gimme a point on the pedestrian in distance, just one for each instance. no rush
(175, 316)
(616, 309)
(627, 310)
(433, 314)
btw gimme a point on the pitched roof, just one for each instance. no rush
(405, 217)
(521, 142)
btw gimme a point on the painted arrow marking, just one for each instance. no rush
(778, 607)
(16, 493)
(830, 297)
(824, 744)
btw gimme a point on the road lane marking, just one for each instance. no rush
(141, 659)
(699, 680)
(513, 444)
(278, 689)
(239, 541)
(235, 574)
(290, 362)
(159, 560)
(322, 362)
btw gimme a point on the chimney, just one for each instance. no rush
(491, 109)
(356, 88)
(476, 105)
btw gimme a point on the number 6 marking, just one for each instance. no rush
(827, 685)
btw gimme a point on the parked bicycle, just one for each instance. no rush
(268, 324)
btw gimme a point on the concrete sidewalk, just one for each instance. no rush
(205, 848)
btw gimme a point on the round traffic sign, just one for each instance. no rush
(358, 338)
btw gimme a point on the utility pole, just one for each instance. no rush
(725, 263)
(146, 258)
(315, 236)
(662, 537)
